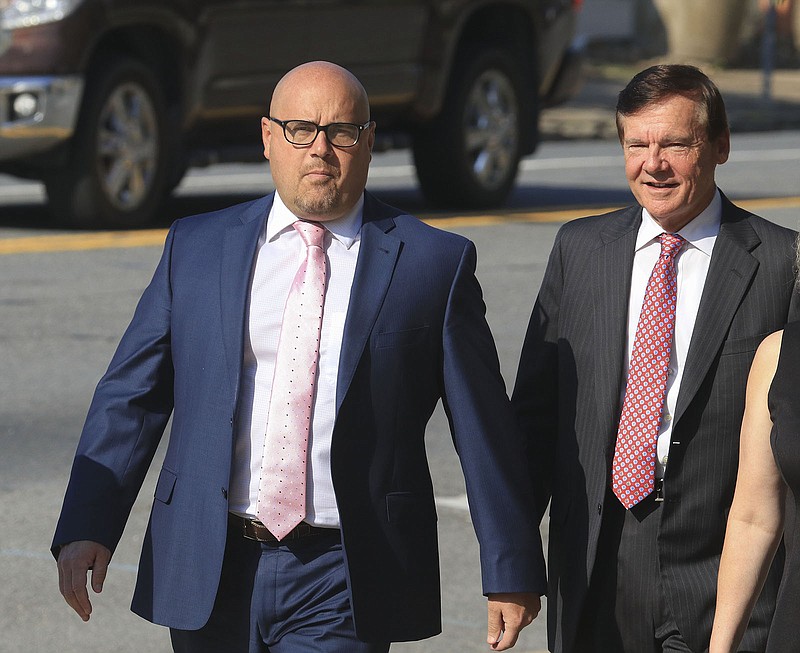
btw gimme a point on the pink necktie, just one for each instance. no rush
(633, 469)
(282, 489)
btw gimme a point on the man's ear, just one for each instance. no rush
(371, 140)
(723, 146)
(266, 135)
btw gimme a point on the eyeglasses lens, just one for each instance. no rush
(301, 132)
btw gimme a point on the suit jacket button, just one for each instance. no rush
(599, 508)
(224, 493)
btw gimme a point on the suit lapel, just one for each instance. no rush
(612, 266)
(377, 257)
(729, 276)
(236, 264)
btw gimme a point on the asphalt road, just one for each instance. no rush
(65, 299)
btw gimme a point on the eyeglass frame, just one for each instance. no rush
(323, 129)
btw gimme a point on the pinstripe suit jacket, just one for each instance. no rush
(567, 397)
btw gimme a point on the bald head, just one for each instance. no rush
(334, 81)
(317, 180)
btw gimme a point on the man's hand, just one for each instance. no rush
(74, 561)
(509, 614)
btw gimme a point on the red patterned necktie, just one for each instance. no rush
(281, 503)
(633, 469)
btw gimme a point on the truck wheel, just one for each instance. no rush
(468, 158)
(116, 170)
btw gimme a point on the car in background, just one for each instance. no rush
(109, 102)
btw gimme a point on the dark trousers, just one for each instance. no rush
(625, 609)
(287, 598)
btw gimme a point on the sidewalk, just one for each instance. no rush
(590, 115)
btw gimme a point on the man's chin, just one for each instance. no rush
(322, 208)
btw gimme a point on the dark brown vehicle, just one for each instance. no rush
(109, 101)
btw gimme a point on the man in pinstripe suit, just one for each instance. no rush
(643, 579)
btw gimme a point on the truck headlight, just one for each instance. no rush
(28, 13)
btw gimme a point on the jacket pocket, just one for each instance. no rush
(405, 338)
(166, 485)
(742, 345)
(409, 509)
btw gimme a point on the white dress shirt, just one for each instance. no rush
(280, 252)
(692, 266)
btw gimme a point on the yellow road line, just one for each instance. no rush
(770, 203)
(155, 237)
(83, 241)
(555, 215)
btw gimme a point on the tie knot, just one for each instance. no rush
(670, 244)
(313, 234)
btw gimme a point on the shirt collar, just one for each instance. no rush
(345, 229)
(701, 232)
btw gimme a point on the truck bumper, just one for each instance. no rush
(37, 113)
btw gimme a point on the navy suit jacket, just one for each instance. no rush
(568, 398)
(415, 333)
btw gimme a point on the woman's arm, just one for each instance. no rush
(755, 523)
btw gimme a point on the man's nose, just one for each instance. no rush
(321, 145)
(655, 161)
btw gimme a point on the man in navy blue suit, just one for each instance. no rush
(403, 326)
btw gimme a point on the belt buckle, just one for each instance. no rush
(248, 529)
(659, 490)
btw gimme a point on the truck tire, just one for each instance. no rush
(116, 173)
(469, 157)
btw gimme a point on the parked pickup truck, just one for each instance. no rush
(108, 102)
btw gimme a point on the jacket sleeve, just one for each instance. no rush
(488, 443)
(535, 397)
(127, 417)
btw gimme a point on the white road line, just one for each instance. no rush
(224, 181)
(764, 155)
(570, 163)
(21, 191)
(198, 182)
(379, 172)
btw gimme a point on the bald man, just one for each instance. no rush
(294, 510)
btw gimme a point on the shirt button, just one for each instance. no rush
(664, 460)
(667, 417)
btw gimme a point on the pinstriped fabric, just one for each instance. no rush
(567, 397)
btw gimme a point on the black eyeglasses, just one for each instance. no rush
(304, 132)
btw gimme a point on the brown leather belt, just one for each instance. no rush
(252, 529)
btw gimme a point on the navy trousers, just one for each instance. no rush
(279, 598)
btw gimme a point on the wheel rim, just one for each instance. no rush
(127, 146)
(490, 129)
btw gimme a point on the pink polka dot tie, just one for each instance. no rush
(281, 503)
(634, 465)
